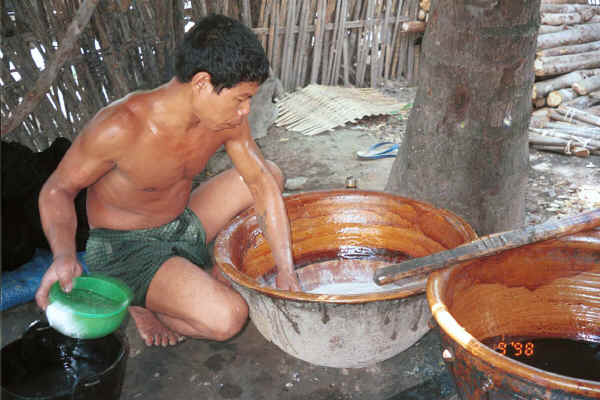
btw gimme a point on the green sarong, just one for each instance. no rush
(135, 256)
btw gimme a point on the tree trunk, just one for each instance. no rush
(466, 145)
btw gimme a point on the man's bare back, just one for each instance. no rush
(138, 157)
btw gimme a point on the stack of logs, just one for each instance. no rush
(566, 93)
(422, 16)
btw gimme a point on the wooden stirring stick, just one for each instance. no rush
(407, 272)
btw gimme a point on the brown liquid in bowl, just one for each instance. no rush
(575, 358)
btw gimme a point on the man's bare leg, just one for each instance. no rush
(215, 203)
(183, 300)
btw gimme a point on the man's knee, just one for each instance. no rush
(231, 321)
(277, 173)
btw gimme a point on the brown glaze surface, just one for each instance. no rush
(342, 224)
(339, 237)
(548, 289)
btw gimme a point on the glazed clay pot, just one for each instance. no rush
(546, 290)
(339, 236)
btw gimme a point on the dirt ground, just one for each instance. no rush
(559, 185)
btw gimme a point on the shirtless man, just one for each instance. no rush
(137, 158)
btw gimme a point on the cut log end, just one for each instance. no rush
(558, 97)
(413, 26)
(587, 86)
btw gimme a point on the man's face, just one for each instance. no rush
(226, 109)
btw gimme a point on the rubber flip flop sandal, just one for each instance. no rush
(379, 150)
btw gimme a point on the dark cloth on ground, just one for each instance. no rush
(23, 175)
(135, 256)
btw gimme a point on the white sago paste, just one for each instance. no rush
(350, 288)
(61, 318)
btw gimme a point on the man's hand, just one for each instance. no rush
(287, 280)
(63, 269)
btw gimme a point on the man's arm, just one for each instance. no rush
(90, 157)
(269, 205)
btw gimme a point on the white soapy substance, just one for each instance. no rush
(61, 318)
(350, 288)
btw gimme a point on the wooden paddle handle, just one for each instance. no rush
(417, 268)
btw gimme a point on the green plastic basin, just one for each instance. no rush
(94, 308)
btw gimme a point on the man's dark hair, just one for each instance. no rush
(225, 48)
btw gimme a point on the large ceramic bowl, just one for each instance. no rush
(546, 290)
(339, 237)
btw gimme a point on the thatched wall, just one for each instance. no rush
(129, 45)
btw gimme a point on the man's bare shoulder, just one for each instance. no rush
(114, 125)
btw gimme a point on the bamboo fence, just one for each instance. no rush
(130, 45)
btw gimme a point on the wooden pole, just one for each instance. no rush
(318, 46)
(564, 1)
(557, 97)
(572, 18)
(48, 76)
(564, 8)
(572, 49)
(580, 115)
(545, 66)
(417, 268)
(413, 26)
(550, 29)
(577, 35)
(586, 86)
(581, 102)
(246, 13)
(301, 48)
(556, 116)
(338, 43)
(541, 89)
(288, 46)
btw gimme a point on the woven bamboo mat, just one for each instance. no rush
(317, 108)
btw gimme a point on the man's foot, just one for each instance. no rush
(152, 330)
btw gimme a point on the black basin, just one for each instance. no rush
(44, 364)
